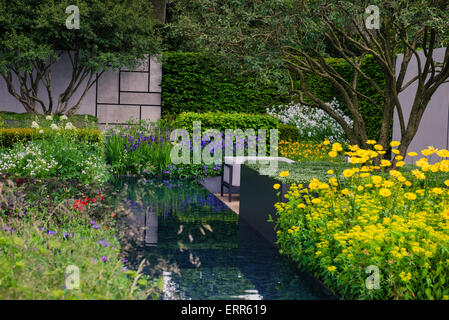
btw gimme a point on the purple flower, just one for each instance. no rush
(124, 260)
(51, 232)
(65, 235)
(103, 243)
(5, 228)
(124, 269)
(92, 222)
(96, 226)
(104, 258)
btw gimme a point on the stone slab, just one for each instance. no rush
(117, 113)
(134, 81)
(151, 113)
(140, 98)
(155, 75)
(108, 87)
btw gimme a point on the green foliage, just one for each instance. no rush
(323, 89)
(144, 149)
(222, 121)
(194, 82)
(39, 240)
(304, 171)
(137, 149)
(24, 120)
(10, 136)
(63, 153)
(288, 132)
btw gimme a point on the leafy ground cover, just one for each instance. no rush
(47, 227)
(53, 215)
(301, 172)
(24, 120)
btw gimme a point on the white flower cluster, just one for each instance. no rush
(312, 123)
(69, 126)
(28, 160)
(94, 169)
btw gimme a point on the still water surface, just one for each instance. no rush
(200, 249)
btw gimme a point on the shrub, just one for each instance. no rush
(24, 120)
(222, 121)
(10, 136)
(370, 216)
(300, 172)
(288, 132)
(192, 82)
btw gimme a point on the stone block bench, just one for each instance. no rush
(230, 176)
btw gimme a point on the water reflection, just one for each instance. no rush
(199, 249)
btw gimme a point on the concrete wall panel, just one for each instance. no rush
(151, 113)
(433, 129)
(134, 81)
(108, 88)
(155, 75)
(141, 98)
(117, 113)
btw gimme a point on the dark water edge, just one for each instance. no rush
(201, 250)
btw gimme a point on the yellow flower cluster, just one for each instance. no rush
(367, 215)
(305, 151)
(284, 174)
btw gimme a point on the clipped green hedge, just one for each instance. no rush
(326, 91)
(223, 121)
(193, 82)
(288, 133)
(24, 120)
(10, 136)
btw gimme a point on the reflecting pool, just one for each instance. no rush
(199, 249)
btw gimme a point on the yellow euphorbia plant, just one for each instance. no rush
(394, 220)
